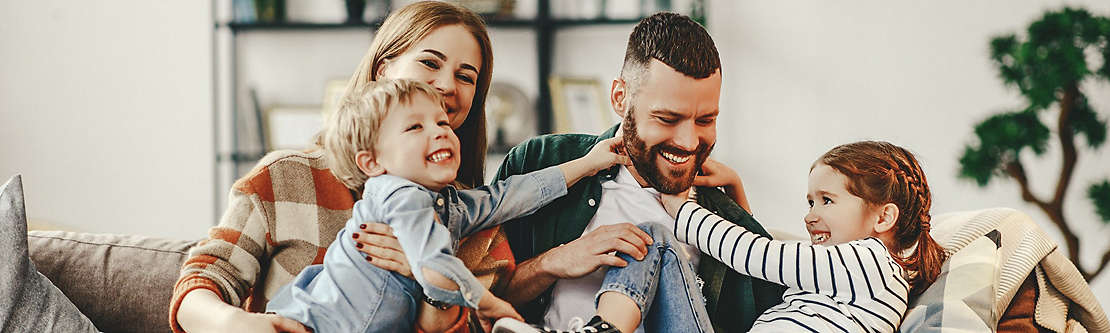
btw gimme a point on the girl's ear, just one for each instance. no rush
(888, 216)
(369, 166)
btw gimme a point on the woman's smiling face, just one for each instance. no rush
(835, 215)
(449, 59)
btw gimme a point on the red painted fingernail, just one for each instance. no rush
(362, 226)
(354, 235)
(369, 259)
(358, 245)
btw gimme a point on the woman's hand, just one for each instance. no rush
(203, 311)
(491, 308)
(264, 322)
(716, 174)
(377, 241)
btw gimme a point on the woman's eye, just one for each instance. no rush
(810, 203)
(430, 63)
(413, 127)
(826, 200)
(443, 123)
(465, 78)
(667, 120)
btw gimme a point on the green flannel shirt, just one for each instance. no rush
(733, 300)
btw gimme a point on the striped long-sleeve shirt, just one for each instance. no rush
(850, 287)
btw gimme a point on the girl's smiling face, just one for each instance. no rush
(835, 215)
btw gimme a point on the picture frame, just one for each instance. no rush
(579, 105)
(292, 127)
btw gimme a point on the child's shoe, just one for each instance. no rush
(596, 325)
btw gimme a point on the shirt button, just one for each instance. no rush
(592, 202)
(439, 202)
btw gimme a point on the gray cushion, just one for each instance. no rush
(28, 302)
(123, 283)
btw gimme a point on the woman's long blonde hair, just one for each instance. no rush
(407, 26)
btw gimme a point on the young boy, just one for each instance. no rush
(395, 137)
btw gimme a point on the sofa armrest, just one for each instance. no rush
(122, 283)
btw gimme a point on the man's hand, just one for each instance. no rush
(595, 249)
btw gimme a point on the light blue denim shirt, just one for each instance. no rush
(429, 224)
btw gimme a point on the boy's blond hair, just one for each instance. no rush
(355, 124)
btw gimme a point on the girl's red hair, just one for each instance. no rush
(881, 173)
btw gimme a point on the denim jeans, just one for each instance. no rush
(664, 285)
(352, 295)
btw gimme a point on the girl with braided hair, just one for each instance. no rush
(870, 247)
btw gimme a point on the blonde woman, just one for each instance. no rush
(284, 213)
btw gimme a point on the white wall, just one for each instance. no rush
(102, 105)
(803, 76)
(106, 110)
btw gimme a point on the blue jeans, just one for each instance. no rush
(664, 285)
(350, 295)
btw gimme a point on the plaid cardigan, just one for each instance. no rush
(280, 218)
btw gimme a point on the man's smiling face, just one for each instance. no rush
(670, 125)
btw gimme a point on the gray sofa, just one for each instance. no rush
(122, 283)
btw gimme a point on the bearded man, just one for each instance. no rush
(667, 96)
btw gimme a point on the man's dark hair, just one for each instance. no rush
(674, 39)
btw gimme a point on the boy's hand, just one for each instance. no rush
(605, 154)
(672, 202)
(491, 308)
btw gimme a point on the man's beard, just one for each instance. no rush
(643, 158)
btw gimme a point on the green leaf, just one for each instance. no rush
(979, 165)
(1051, 56)
(1085, 121)
(1100, 197)
(1012, 132)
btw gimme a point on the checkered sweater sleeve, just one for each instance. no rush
(277, 217)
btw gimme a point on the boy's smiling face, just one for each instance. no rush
(416, 143)
(836, 216)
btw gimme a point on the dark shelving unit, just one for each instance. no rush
(543, 24)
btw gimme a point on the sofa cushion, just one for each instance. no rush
(962, 297)
(28, 302)
(122, 283)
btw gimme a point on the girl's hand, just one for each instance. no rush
(377, 241)
(672, 202)
(605, 154)
(716, 174)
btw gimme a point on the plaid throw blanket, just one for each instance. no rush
(970, 295)
(280, 218)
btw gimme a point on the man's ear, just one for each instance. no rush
(369, 166)
(888, 217)
(618, 96)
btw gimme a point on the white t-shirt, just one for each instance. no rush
(623, 200)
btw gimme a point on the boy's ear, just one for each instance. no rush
(888, 216)
(369, 166)
(381, 69)
(618, 96)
